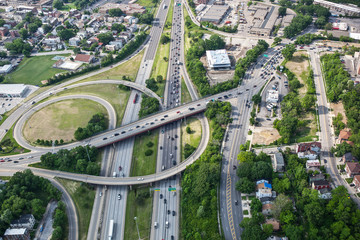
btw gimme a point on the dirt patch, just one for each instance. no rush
(338, 108)
(299, 66)
(60, 120)
(265, 136)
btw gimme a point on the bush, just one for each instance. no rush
(188, 130)
(188, 150)
(150, 144)
(149, 152)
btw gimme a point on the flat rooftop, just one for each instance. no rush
(12, 88)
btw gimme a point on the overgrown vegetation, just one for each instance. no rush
(96, 124)
(78, 160)
(60, 222)
(149, 105)
(201, 179)
(226, 28)
(293, 107)
(25, 193)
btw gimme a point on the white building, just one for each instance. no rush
(6, 68)
(218, 59)
(17, 233)
(272, 96)
(277, 162)
(340, 26)
(74, 41)
(200, 7)
(13, 90)
(312, 163)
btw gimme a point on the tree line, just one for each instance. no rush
(201, 179)
(25, 193)
(81, 159)
(96, 124)
(60, 222)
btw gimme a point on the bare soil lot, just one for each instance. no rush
(299, 66)
(338, 108)
(264, 135)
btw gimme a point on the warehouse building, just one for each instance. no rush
(13, 90)
(215, 14)
(17, 234)
(346, 9)
(218, 59)
(264, 19)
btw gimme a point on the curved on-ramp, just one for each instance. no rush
(20, 124)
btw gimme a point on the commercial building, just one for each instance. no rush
(215, 14)
(340, 26)
(17, 234)
(218, 59)
(346, 9)
(6, 68)
(13, 90)
(264, 20)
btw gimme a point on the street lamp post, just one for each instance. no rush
(137, 227)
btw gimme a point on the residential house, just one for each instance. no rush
(312, 164)
(133, 28)
(324, 193)
(263, 184)
(267, 208)
(114, 45)
(275, 223)
(82, 34)
(3, 31)
(319, 184)
(51, 41)
(352, 168)
(356, 182)
(277, 161)
(74, 41)
(348, 157)
(308, 150)
(316, 177)
(343, 136)
(261, 193)
(85, 58)
(25, 221)
(17, 234)
(14, 33)
(266, 200)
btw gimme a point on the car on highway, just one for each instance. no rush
(167, 224)
(119, 196)
(16, 161)
(2, 160)
(168, 211)
(166, 116)
(140, 179)
(191, 108)
(104, 138)
(123, 132)
(30, 157)
(173, 213)
(21, 158)
(174, 162)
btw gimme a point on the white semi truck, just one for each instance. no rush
(111, 229)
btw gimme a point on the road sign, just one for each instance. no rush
(171, 189)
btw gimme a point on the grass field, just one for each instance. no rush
(299, 65)
(83, 197)
(169, 17)
(33, 70)
(128, 68)
(10, 146)
(160, 66)
(110, 92)
(142, 211)
(194, 137)
(60, 120)
(146, 3)
(141, 164)
(185, 95)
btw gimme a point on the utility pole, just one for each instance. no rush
(137, 227)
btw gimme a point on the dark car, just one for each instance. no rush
(123, 132)
(191, 109)
(173, 213)
(16, 161)
(161, 147)
(174, 162)
(168, 211)
(116, 134)
(165, 200)
(104, 138)
(161, 196)
(165, 116)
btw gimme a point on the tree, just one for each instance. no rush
(288, 51)
(281, 203)
(246, 157)
(32, 27)
(105, 38)
(252, 230)
(24, 33)
(261, 170)
(321, 22)
(18, 46)
(188, 130)
(256, 99)
(244, 170)
(281, 186)
(151, 84)
(255, 206)
(117, 27)
(57, 233)
(164, 39)
(38, 208)
(66, 34)
(2, 22)
(277, 40)
(244, 185)
(282, 11)
(3, 54)
(115, 12)
(47, 28)
(58, 4)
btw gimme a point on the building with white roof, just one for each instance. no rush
(6, 68)
(348, 10)
(272, 96)
(218, 59)
(13, 90)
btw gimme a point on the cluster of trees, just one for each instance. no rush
(49, 142)
(60, 222)
(118, 27)
(299, 23)
(252, 167)
(80, 4)
(115, 12)
(96, 124)
(293, 107)
(337, 79)
(226, 28)
(149, 105)
(79, 160)
(288, 51)
(58, 4)
(151, 83)
(338, 123)
(105, 38)
(201, 179)
(251, 55)
(146, 18)
(25, 193)
(18, 46)
(165, 38)
(308, 38)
